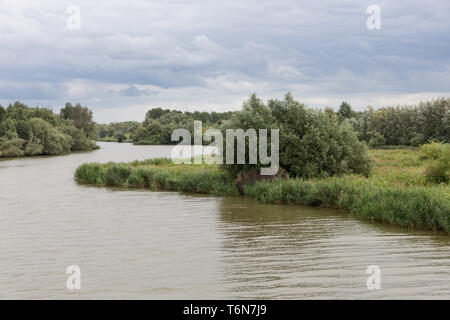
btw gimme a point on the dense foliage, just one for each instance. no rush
(158, 126)
(117, 131)
(311, 142)
(438, 170)
(26, 131)
(401, 125)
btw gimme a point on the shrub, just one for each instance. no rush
(439, 170)
(33, 147)
(377, 140)
(117, 174)
(430, 151)
(89, 173)
(11, 147)
(311, 144)
(38, 131)
(137, 179)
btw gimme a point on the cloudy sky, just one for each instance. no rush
(129, 56)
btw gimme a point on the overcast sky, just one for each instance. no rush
(129, 56)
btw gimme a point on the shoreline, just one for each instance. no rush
(401, 198)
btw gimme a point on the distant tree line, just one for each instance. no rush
(117, 131)
(26, 131)
(311, 143)
(158, 126)
(402, 125)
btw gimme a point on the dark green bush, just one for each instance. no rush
(89, 173)
(117, 174)
(28, 131)
(312, 144)
(439, 170)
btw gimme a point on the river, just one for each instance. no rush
(136, 244)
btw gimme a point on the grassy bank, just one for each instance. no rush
(397, 192)
(158, 174)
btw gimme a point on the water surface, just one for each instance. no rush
(167, 245)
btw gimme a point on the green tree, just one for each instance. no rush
(82, 118)
(311, 142)
(345, 111)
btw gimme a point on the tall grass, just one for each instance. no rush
(158, 174)
(417, 207)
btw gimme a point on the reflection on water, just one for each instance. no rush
(294, 252)
(141, 244)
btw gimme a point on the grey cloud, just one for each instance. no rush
(132, 91)
(222, 49)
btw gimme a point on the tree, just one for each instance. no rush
(53, 141)
(312, 143)
(35, 131)
(2, 113)
(81, 116)
(120, 136)
(345, 111)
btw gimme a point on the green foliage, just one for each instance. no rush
(117, 174)
(12, 147)
(53, 141)
(377, 140)
(345, 111)
(439, 169)
(89, 173)
(2, 113)
(28, 131)
(81, 117)
(158, 174)
(158, 126)
(34, 147)
(401, 125)
(117, 131)
(79, 140)
(406, 125)
(432, 150)
(311, 143)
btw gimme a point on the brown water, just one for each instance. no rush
(167, 245)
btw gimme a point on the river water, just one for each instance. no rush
(167, 245)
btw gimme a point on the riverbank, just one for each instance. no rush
(397, 192)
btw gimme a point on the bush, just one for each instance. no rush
(312, 144)
(439, 170)
(34, 147)
(89, 173)
(117, 174)
(79, 140)
(377, 140)
(431, 151)
(11, 147)
(38, 131)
